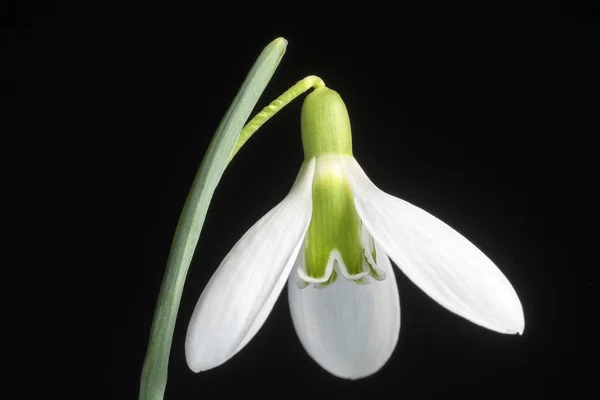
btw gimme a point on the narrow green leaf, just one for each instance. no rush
(154, 373)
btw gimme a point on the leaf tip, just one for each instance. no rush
(280, 42)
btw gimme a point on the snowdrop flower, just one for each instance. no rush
(331, 240)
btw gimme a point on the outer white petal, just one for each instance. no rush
(436, 258)
(349, 329)
(241, 294)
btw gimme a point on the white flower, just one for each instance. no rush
(330, 240)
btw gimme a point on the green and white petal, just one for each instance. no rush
(333, 240)
(350, 330)
(439, 260)
(241, 294)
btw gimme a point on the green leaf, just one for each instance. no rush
(154, 373)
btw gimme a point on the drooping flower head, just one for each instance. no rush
(331, 239)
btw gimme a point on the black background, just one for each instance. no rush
(487, 122)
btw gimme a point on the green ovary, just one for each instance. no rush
(335, 224)
(325, 124)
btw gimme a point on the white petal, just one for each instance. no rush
(439, 260)
(241, 294)
(350, 330)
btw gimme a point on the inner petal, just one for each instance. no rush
(333, 237)
(336, 242)
(370, 255)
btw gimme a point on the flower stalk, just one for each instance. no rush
(273, 108)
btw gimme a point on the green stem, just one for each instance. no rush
(273, 108)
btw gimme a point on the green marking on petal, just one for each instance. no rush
(376, 273)
(373, 253)
(335, 224)
(328, 282)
